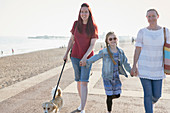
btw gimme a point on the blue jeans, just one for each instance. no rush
(152, 92)
(82, 73)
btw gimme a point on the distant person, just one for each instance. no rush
(133, 40)
(83, 39)
(12, 51)
(2, 52)
(101, 47)
(149, 55)
(114, 60)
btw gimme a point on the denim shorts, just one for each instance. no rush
(82, 73)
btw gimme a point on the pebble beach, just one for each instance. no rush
(16, 68)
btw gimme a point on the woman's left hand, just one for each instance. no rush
(83, 61)
(134, 71)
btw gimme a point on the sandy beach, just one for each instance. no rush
(16, 68)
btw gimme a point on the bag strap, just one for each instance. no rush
(164, 45)
(164, 35)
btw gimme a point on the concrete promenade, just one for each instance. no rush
(27, 96)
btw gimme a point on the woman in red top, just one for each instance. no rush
(82, 41)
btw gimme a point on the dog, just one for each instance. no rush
(54, 106)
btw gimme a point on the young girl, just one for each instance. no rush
(113, 61)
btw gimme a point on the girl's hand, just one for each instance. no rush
(83, 64)
(83, 61)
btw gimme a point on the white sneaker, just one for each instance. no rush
(82, 111)
(79, 108)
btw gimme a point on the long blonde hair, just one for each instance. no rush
(107, 45)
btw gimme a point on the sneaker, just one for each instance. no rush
(79, 108)
(82, 111)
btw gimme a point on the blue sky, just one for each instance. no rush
(56, 17)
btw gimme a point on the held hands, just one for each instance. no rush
(134, 71)
(83, 61)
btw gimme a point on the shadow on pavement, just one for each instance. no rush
(76, 111)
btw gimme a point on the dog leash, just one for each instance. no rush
(59, 79)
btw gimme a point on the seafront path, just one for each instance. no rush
(28, 95)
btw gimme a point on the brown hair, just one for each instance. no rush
(91, 28)
(152, 10)
(107, 45)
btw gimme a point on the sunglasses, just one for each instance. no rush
(110, 39)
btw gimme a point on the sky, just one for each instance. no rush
(56, 17)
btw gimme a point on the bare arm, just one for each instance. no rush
(134, 70)
(92, 44)
(136, 55)
(70, 44)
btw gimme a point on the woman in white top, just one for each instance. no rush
(149, 55)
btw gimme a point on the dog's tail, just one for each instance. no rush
(58, 93)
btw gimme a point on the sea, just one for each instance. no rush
(19, 45)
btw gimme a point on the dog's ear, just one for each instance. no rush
(43, 105)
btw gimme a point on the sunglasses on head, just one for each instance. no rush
(110, 39)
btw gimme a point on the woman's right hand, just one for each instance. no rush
(65, 57)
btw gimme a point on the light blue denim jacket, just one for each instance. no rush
(107, 68)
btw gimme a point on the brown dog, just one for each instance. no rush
(55, 105)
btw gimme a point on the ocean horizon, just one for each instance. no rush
(18, 45)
